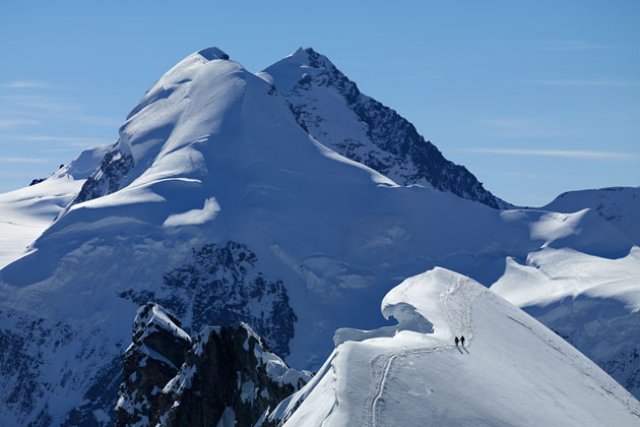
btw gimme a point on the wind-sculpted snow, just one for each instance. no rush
(217, 204)
(194, 216)
(593, 302)
(331, 108)
(27, 212)
(618, 205)
(511, 371)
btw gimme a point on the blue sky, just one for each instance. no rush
(534, 97)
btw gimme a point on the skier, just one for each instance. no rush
(456, 340)
(461, 340)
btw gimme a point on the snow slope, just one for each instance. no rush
(619, 205)
(218, 205)
(512, 370)
(591, 301)
(25, 213)
(331, 108)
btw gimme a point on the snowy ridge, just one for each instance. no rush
(618, 205)
(331, 108)
(224, 373)
(512, 371)
(28, 211)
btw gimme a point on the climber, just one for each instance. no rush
(456, 341)
(462, 340)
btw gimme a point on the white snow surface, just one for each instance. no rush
(592, 301)
(336, 123)
(511, 371)
(337, 233)
(619, 205)
(551, 275)
(157, 319)
(25, 213)
(194, 216)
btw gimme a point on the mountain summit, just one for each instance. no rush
(229, 199)
(331, 108)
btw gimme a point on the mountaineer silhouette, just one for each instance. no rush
(461, 340)
(456, 341)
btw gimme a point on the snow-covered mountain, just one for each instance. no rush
(331, 108)
(27, 212)
(511, 370)
(619, 205)
(220, 204)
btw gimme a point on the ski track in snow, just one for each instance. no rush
(335, 397)
(458, 311)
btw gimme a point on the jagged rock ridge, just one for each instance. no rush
(366, 130)
(222, 285)
(225, 374)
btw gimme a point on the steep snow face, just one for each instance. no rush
(332, 109)
(511, 371)
(593, 302)
(160, 137)
(618, 205)
(216, 203)
(27, 212)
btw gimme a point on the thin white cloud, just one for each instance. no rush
(528, 175)
(38, 104)
(46, 108)
(70, 140)
(515, 127)
(13, 123)
(100, 120)
(26, 84)
(585, 82)
(577, 45)
(564, 45)
(572, 154)
(21, 160)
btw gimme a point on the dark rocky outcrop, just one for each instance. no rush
(108, 177)
(155, 356)
(36, 181)
(224, 373)
(222, 285)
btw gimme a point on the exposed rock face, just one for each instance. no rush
(224, 374)
(366, 130)
(115, 165)
(97, 407)
(158, 350)
(36, 181)
(223, 286)
(626, 369)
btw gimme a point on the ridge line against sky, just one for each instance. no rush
(547, 94)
